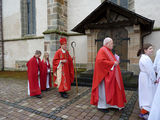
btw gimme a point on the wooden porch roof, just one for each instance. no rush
(104, 10)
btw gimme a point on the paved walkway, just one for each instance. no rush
(15, 104)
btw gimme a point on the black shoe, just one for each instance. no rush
(104, 110)
(63, 95)
(47, 89)
(38, 96)
(114, 109)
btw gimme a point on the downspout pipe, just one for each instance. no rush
(151, 28)
(2, 40)
(144, 35)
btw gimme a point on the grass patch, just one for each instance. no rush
(14, 74)
(22, 75)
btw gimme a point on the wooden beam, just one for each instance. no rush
(107, 25)
(108, 15)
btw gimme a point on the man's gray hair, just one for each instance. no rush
(37, 52)
(106, 40)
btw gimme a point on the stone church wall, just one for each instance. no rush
(17, 53)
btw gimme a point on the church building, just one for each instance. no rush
(29, 25)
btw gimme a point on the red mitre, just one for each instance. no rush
(63, 41)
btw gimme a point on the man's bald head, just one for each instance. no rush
(108, 42)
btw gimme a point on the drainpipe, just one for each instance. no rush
(144, 35)
(151, 28)
(2, 41)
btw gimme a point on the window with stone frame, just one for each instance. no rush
(114, 1)
(28, 17)
(123, 3)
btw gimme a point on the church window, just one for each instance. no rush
(123, 3)
(28, 17)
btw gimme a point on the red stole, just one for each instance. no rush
(44, 74)
(33, 68)
(67, 75)
(114, 88)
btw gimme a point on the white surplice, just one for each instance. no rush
(146, 86)
(157, 64)
(102, 104)
(48, 76)
(155, 109)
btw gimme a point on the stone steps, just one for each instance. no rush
(129, 79)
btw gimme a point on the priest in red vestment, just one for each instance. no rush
(46, 81)
(34, 69)
(107, 87)
(63, 70)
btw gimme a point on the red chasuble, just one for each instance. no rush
(114, 88)
(33, 67)
(63, 76)
(44, 73)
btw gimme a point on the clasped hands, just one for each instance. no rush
(116, 63)
(157, 81)
(63, 61)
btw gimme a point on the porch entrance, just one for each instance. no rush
(120, 39)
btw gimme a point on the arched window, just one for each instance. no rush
(28, 17)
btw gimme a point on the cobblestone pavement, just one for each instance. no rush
(15, 104)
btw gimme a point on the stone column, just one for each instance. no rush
(134, 44)
(57, 15)
(57, 25)
(131, 5)
(91, 48)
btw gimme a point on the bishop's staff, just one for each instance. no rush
(73, 44)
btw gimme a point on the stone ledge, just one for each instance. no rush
(156, 29)
(61, 33)
(21, 65)
(24, 38)
(81, 65)
(14, 69)
(54, 31)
